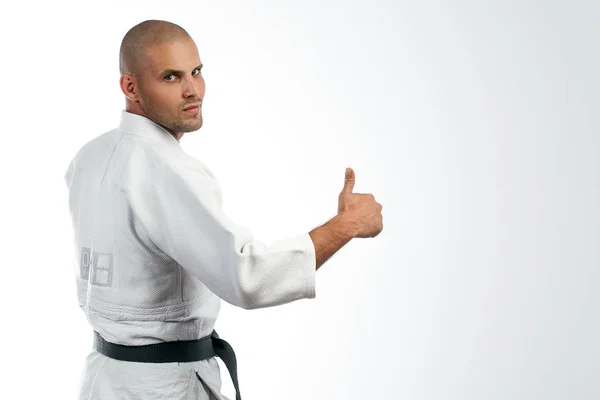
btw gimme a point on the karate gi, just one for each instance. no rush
(155, 254)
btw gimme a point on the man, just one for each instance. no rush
(156, 254)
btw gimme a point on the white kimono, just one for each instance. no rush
(155, 254)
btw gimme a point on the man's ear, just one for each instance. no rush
(129, 86)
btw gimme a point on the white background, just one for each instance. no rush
(474, 123)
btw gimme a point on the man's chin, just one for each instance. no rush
(191, 126)
(195, 127)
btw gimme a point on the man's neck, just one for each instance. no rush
(176, 135)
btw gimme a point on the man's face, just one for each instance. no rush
(170, 82)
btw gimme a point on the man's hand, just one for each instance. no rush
(360, 208)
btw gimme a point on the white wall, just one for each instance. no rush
(474, 123)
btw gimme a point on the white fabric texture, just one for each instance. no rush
(155, 254)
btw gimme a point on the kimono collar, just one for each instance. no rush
(138, 125)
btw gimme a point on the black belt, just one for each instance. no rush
(178, 351)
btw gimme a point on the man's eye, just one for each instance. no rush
(197, 70)
(170, 75)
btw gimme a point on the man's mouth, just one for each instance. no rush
(192, 108)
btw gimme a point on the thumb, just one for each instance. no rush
(349, 181)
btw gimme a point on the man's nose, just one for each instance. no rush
(191, 88)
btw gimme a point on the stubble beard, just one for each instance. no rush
(187, 124)
(183, 124)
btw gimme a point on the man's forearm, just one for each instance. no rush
(332, 236)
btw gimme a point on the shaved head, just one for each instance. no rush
(161, 76)
(141, 38)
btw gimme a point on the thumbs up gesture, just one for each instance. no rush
(360, 208)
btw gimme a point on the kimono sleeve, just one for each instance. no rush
(181, 209)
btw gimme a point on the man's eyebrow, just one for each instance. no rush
(176, 71)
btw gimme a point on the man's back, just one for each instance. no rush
(152, 241)
(133, 293)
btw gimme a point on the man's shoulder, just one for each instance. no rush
(139, 161)
(96, 143)
(174, 160)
